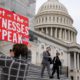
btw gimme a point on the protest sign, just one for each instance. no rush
(13, 27)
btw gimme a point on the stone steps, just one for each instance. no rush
(38, 78)
(34, 74)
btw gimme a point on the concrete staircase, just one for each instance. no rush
(34, 74)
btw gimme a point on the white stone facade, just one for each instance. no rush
(54, 28)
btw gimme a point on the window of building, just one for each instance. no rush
(78, 78)
(42, 19)
(61, 53)
(64, 20)
(53, 18)
(57, 19)
(53, 6)
(56, 6)
(45, 6)
(50, 6)
(72, 78)
(49, 18)
(58, 33)
(39, 20)
(67, 34)
(46, 19)
(67, 21)
(70, 36)
(42, 46)
(41, 55)
(61, 19)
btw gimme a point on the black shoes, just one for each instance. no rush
(51, 77)
(58, 78)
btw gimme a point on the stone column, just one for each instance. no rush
(69, 60)
(68, 35)
(51, 33)
(74, 60)
(65, 35)
(78, 61)
(46, 30)
(60, 34)
(71, 36)
(42, 30)
(55, 32)
(74, 37)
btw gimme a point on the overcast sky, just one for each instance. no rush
(73, 7)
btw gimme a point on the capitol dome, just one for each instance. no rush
(54, 20)
(53, 5)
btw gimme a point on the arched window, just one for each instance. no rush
(50, 6)
(72, 78)
(46, 19)
(53, 6)
(78, 78)
(61, 19)
(56, 6)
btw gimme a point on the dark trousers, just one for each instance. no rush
(55, 69)
(43, 68)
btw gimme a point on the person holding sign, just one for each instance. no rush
(15, 68)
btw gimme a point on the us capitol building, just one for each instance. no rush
(53, 26)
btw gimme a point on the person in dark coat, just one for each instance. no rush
(46, 61)
(15, 67)
(56, 64)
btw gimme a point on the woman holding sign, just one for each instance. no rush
(15, 68)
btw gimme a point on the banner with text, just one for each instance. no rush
(13, 27)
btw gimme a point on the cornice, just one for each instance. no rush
(54, 13)
(56, 25)
(69, 46)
